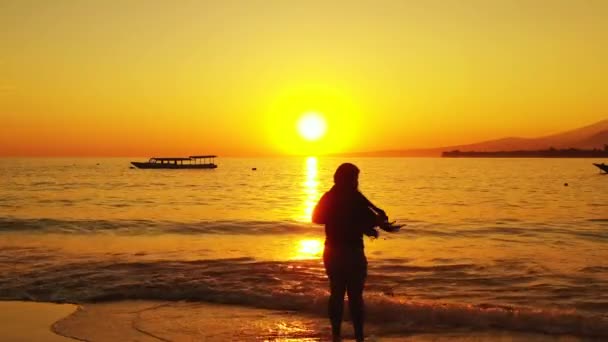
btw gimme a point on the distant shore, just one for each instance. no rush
(550, 153)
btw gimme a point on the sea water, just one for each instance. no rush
(515, 244)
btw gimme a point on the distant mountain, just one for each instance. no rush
(588, 137)
(595, 141)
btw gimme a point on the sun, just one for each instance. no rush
(312, 126)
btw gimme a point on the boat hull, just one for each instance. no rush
(143, 165)
(602, 167)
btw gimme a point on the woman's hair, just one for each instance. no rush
(347, 175)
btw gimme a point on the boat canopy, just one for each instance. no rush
(184, 160)
(169, 158)
(198, 157)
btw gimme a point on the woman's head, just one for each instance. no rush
(347, 176)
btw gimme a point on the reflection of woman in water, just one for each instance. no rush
(347, 215)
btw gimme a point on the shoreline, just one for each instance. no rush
(144, 321)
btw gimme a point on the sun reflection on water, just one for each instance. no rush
(309, 249)
(310, 188)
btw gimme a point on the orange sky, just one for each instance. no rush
(143, 78)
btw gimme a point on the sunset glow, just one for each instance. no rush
(126, 79)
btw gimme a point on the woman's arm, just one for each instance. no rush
(381, 213)
(319, 214)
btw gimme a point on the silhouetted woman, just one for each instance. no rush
(347, 216)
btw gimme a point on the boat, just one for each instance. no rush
(602, 167)
(191, 162)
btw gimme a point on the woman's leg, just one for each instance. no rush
(355, 286)
(337, 285)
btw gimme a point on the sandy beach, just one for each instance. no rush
(32, 322)
(183, 321)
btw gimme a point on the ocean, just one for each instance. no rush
(508, 244)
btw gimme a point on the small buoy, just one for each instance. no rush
(254, 168)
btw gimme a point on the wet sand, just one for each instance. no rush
(184, 321)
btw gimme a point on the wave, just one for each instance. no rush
(499, 232)
(227, 227)
(279, 285)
